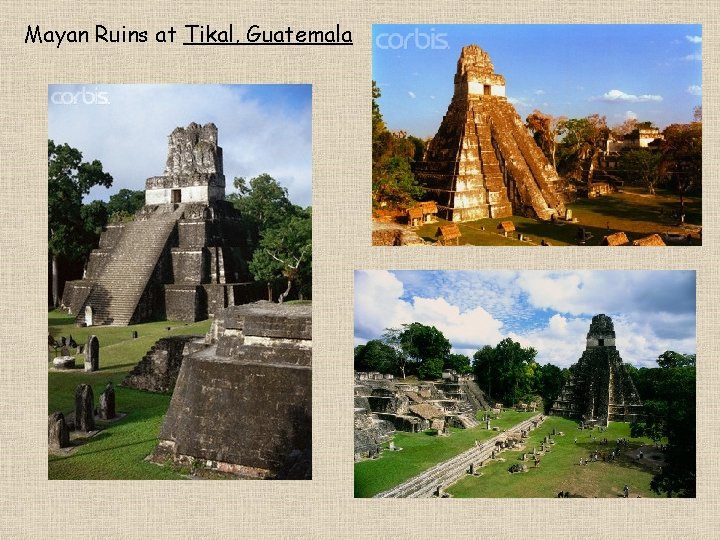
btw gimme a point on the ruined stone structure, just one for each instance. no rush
(483, 163)
(599, 390)
(242, 401)
(158, 370)
(384, 405)
(184, 255)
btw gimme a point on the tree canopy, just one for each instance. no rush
(668, 393)
(279, 232)
(393, 182)
(124, 204)
(69, 179)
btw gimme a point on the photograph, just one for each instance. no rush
(524, 384)
(179, 282)
(537, 135)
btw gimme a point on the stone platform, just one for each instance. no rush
(244, 403)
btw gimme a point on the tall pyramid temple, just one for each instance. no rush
(483, 163)
(599, 389)
(183, 257)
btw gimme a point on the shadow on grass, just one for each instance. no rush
(99, 437)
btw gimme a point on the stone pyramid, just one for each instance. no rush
(483, 163)
(599, 388)
(184, 255)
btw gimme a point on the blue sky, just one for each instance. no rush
(651, 72)
(261, 128)
(653, 311)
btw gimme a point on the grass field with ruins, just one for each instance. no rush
(632, 211)
(559, 469)
(119, 450)
(421, 451)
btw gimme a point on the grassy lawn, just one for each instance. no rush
(560, 470)
(421, 451)
(632, 211)
(118, 451)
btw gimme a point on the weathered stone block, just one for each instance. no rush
(92, 354)
(58, 432)
(106, 410)
(64, 362)
(185, 302)
(249, 410)
(84, 408)
(190, 265)
(271, 415)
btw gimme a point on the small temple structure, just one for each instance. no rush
(183, 256)
(600, 389)
(483, 163)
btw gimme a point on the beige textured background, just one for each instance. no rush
(32, 507)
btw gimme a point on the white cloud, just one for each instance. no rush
(562, 341)
(519, 102)
(630, 115)
(258, 132)
(379, 305)
(695, 57)
(411, 94)
(539, 92)
(550, 311)
(619, 96)
(694, 89)
(694, 39)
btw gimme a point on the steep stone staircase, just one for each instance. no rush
(496, 196)
(474, 395)
(450, 471)
(121, 283)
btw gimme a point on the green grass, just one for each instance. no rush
(118, 451)
(559, 469)
(421, 451)
(632, 211)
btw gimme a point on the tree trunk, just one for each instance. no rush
(55, 293)
(682, 205)
(269, 291)
(287, 291)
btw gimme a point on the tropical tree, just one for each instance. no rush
(393, 182)
(508, 370)
(681, 158)
(285, 250)
(123, 205)
(263, 204)
(550, 382)
(69, 180)
(582, 144)
(668, 394)
(641, 165)
(458, 362)
(375, 355)
(546, 129)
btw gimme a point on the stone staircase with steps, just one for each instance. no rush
(467, 421)
(497, 195)
(121, 283)
(475, 396)
(450, 471)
